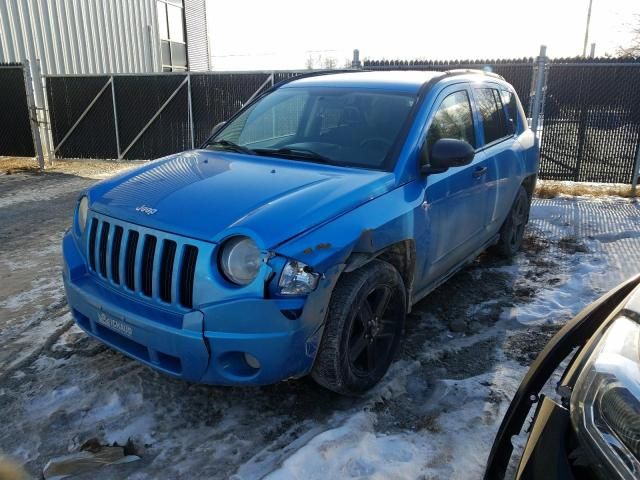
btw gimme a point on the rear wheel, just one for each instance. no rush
(512, 231)
(364, 326)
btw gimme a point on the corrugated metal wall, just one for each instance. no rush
(195, 13)
(81, 36)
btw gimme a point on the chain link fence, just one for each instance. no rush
(590, 125)
(589, 131)
(143, 117)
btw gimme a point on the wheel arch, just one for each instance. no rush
(401, 255)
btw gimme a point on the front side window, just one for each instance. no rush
(453, 119)
(494, 122)
(342, 126)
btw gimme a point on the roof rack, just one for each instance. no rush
(463, 71)
(315, 73)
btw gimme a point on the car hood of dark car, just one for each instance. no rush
(206, 194)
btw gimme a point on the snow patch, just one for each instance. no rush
(42, 193)
(354, 450)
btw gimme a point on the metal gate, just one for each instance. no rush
(139, 117)
(590, 128)
(16, 138)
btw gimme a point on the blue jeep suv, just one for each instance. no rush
(296, 240)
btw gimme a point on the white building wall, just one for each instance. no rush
(81, 36)
(197, 39)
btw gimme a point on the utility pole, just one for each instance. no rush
(586, 32)
(355, 63)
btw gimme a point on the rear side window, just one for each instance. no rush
(514, 109)
(494, 121)
(453, 119)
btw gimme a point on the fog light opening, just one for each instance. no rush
(251, 361)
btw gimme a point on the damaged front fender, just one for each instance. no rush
(368, 229)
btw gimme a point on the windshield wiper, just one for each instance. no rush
(233, 146)
(303, 153)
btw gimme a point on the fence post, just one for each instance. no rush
(33, 113)
(582, 137)
(115, 115)
(636, 171)
(190, 110)
(42, 111)
(355, 63)
(539, 82)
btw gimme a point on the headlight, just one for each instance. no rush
(297, 279)
(605, 403)
(83, 209)
(240, 260)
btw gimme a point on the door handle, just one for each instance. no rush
(480, 171)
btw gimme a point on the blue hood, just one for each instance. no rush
(208, 195)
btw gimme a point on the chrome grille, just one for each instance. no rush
(143, 261)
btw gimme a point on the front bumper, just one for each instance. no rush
(205, 345)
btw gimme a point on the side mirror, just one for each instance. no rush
(444, 154)
(218, 127)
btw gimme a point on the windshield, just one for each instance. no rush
(340, 126)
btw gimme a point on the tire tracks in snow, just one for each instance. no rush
(51, 339)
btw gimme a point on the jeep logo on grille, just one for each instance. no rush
(147, 210)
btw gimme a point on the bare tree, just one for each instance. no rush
(327, 63)
(633, 49)
(309, 62)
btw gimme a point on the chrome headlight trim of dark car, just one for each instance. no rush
(605, 402)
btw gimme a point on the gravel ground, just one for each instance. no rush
(433, 416)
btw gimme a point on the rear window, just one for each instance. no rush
(494, 121)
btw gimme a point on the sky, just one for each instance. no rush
(283, 34)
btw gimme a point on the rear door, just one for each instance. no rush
(454, 208)
(499, 144)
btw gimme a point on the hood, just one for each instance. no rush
(208, 195)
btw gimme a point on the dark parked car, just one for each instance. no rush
(298, 238)
(593, 430)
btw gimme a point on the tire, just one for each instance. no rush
(512, 231)
(365, 322)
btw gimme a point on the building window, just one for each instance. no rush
(173, 46)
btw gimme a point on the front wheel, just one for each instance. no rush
(364, 326)
(512, 231)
